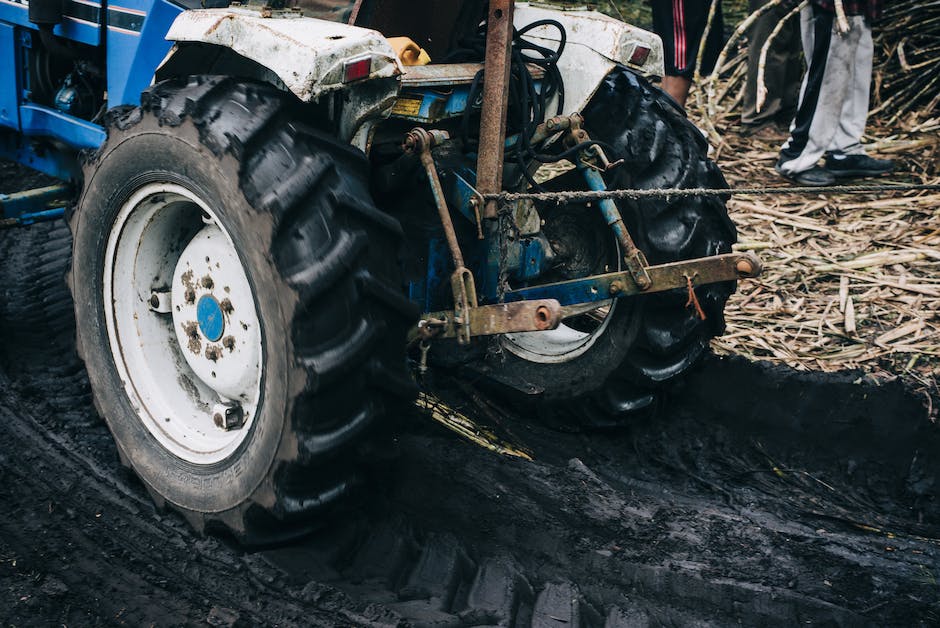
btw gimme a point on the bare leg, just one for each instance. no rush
(677, 87)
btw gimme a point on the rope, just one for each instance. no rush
(590, 195)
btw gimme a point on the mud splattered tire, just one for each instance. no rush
(237, 300)
(647, 341)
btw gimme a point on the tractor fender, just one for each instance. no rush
(309, 56)
(595, 45)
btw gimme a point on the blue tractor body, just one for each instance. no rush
(131, 40)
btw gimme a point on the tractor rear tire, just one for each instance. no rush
(303, 316)
(645, 341)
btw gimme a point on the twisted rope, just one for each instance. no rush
(591, 195)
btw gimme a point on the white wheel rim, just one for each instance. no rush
(557, 345)
(194, 351)
(564, 343)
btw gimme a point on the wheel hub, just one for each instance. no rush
(209, 316)
(216, 330)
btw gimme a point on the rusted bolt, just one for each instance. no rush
(190, 295)
(744, 266)
(213, 353)
(207, 282)
(226, 306)
(229, 343)
(228, 416)
(543, 318)
(616, 287)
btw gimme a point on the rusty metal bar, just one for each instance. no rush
(489, 320)
(495, 101)
(421, 141)
(700, 271)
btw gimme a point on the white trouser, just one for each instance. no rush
(834, 97)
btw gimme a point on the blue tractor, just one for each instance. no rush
(282, 212)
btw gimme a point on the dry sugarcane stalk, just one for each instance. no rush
(761, 83)
(465, 427)
(842, 23)
(706, 119)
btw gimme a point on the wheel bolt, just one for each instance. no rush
(159, 302)
(228, 416)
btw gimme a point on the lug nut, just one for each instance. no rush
(159, 302)
(228, 416)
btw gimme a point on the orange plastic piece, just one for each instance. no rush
(409, 53)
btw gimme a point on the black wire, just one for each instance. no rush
(550, 159)
(529, 101)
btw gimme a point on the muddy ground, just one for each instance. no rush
(758, 496)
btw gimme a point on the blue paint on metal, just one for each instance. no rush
(462, 192)
(435, 104)
(36, 120)
(607, 206)
(439, 269)
(55, 163)
(530, 260)
(9, 85)
(43, 216)
(32, 206)
(210, 319)
(133, 56)
(81, 20)
(587, 290)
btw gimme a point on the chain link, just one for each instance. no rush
(590, 195)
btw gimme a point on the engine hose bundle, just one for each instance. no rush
(528, 102)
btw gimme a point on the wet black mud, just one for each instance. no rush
(758, 496)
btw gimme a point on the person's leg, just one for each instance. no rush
(846, 156)
(848, 136)
(678, 87)
(824, 91)
(775, 68)
(681, 24)
(792, 77)
(667, 23)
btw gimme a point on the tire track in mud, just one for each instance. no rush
(679, 521)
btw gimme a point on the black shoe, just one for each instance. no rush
(857, 165)
(815, 176)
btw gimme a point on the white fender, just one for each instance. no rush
(595, 44)
(308, 55)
